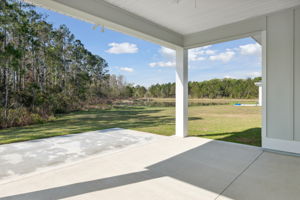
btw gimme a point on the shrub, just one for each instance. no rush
(19, 117)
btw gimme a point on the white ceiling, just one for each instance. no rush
(184, 18)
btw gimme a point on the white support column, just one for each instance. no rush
(181, 92)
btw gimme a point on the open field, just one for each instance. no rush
(222, 122)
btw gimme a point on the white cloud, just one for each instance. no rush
(206, 53)
(153, 64)
(250, 49)
(126, 69)
(193, 57)
(206, 47)
(163, 64)
(122, 48)
(198, 54)
(253, 74)
(210, 52)
(224, 56)
(243, 74)
(168, 55)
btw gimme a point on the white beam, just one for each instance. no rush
(115, 18)
(181, 92)
(257, 38)
(245, 28)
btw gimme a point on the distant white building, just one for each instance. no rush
(259, 84)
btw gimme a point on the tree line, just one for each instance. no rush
(214, 88)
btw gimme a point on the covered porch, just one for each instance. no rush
(188, 167)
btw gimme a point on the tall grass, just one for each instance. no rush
(19, 117)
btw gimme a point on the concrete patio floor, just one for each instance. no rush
(166, 168)
(45, 154)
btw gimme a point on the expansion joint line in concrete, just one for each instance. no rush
(246, 168)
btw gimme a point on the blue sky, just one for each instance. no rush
(145, 63)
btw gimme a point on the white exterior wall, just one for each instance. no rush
(280, 75)
(283, 81)
(297, 76)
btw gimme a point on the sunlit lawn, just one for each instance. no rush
(222, 122)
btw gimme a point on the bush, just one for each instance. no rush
(36, 118)
(19, 117)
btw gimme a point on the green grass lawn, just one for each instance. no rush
(221, 122)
